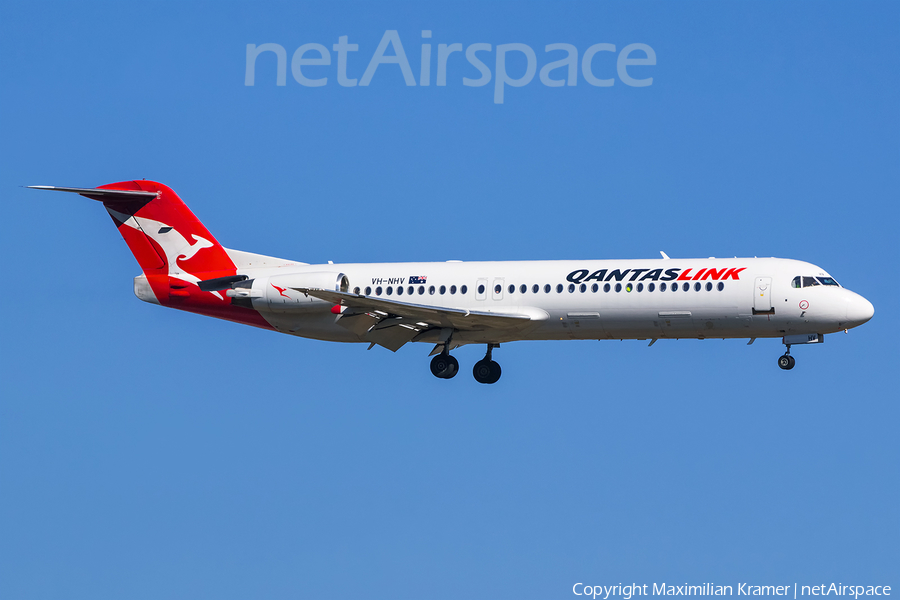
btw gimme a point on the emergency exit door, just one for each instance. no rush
(762, 296)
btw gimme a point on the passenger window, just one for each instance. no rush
(686, 286)
(356, 290)
(535, 288)
(378, 291)
(498, 289)
(618, 287)
(675, 287)
(697, 286)
(452, 289)
(389, 290)
(421, 289)
(546, 288)
(571, 287)
(512, 289)
(628, 287)
(651, 287)
(399, 290)
(662, 287)
(721, 286)
(795, 282)
(480, 288)
(463, 290)
(606, 287)
(431, 290)
(443, 290)
(559, 288)
(640, 287)
(708, 286)
(523, 288)
(410, 290)
(582, 288)
(594, 288)
(368, 291)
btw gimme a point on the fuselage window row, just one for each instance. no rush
(629, 287)
(411, 290)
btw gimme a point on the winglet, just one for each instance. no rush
(664, 255)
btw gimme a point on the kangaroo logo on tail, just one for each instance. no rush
(172, 242)
(194, 249)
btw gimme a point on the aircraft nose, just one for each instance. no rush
(859, 310)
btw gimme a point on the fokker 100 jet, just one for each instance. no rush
(453, 303)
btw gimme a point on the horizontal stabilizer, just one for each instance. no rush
(101, 194)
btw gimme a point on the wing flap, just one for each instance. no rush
(392, 337)
(358, 323)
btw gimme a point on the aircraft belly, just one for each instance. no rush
(317, 325)
(763, 324)
(629, 323)
(719, 321)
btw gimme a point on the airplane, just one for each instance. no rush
(450, 304)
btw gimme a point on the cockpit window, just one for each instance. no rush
(805, 282)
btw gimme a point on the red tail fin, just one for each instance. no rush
(165, 236)
(172, 246)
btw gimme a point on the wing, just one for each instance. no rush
(391, 324)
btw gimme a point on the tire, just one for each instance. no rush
(482, 371)
(453, 369)
(444, 366)
(486, 371)
(495, 372)
(786, 362)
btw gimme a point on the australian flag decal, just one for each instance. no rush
(414, 279)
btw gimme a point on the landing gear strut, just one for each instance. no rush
(486, 370)
(786, 361)
(443, 365)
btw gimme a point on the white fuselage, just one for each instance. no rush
(581, 299)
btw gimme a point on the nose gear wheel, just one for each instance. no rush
(786, 362)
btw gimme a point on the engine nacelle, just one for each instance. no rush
(278, 293)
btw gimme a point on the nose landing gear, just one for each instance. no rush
(786, 361)
(486, 370)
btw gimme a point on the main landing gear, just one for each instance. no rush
(444, 366)
(486, 370)
(786, 361)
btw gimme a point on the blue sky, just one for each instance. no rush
(146, 453)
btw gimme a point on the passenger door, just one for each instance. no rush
(762, 296)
